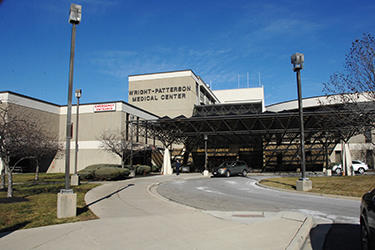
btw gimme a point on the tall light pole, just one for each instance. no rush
(74, 19)
(303, 184)
(205, 172)
(66, 199)
(132, 170)
(75, 177)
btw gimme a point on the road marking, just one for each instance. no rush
(179, 182)
(206, 189)
(329, 217)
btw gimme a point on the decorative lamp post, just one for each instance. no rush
(75, 177)
(205, 172)
(303, 184)
(66, 199)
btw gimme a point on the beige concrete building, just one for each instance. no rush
(151, 96)
(94, 119)
(169, 93)
(243, 95)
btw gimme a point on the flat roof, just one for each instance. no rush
(164, 72)
(81, 104)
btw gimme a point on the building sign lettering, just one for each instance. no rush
(156, 94)
(105, 107)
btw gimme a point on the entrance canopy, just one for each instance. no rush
(275, 135)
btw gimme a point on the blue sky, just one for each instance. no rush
(218, 40)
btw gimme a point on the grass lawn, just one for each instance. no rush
(34, 202)
(354, 186)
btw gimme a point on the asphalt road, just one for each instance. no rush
(337, 219)
(242, 194)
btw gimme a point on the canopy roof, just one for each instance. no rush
(244, 125)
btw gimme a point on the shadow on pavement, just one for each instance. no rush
(11, 229)
(339, 237)
(107, 196)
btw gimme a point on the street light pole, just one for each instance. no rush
(78, 95)
(75, 177)
(132, 170)
(205, 172)
(66, 199)
(69, 111)
(303, 184)
(302, 127)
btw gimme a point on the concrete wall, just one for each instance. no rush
(169, 93)
(171, 96)
(92, 124)
(243, 95)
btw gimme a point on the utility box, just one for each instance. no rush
(66, 205)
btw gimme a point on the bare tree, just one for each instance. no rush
(116, 143)
(354, 89)
(358, 76)
(21, 138)
(14, 133)
(119, 144)
(41, 146)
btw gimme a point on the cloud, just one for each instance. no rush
(290, 26)
(99, 2)
(210, 63)
(94, 6)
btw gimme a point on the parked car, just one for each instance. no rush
(229, 168)
(358, 166)
(367, 220)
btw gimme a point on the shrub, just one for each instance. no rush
(128, 166)
(155, 168)
(142, 169)
(111, 173)
(96, 166)
(104, 172)
(86, 175)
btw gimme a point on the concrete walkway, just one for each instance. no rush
(133, 216)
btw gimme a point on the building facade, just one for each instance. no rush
(169, 93)
(94, 120)
(153, 96)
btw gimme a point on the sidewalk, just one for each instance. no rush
(133, 216)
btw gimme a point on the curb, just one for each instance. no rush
(303, 232)
(296, 243)
(156, 195)
(310, 193)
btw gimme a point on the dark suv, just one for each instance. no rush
(229, 168)
(368, 220)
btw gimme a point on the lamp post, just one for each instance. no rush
(74, 19)
(303, 184)
(205, 172)
(75, 177)
(66, 199)
(132, 170)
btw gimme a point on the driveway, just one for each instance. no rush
(133, 216)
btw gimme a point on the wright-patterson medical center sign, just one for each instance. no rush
(157, 94)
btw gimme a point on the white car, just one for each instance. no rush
(358, 166)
